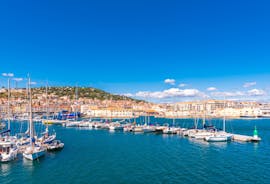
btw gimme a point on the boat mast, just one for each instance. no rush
(31, 126)
(174, 110)
(8, 103)
(47, 105)
(27, 98)
(224, 117)
(204, 114)
(195, 116)
(76, 101)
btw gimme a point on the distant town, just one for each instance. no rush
(95, 103)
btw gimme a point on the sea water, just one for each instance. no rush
(100, 156)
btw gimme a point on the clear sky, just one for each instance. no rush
(134, 46)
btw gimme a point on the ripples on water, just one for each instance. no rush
(99, 156)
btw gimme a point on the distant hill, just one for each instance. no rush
(83, 92)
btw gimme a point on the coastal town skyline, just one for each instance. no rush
(172, 92)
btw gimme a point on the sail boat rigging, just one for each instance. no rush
(33, 151)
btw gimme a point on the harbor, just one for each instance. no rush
(47, 141)
(33, 144)
(101, 155)
(134, 92)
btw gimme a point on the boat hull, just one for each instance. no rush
(9, 157)
(218, 138)
(34, 155)
(56, 147)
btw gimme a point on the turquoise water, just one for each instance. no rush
(100, 156)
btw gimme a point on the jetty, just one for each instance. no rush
(245, 138)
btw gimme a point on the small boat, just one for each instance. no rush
(128, 129)
(170, 130)
(148, 129)
(159, 129)
(84, 124)
(55, 146)
(73, 123)
(46, 138)
(137, 128)
(202, 134)
(219, 138)
(8, 151)
(116, 127)
(97, 125)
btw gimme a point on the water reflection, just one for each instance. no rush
(199, 142)
(111, 131)
(5, 169)
(255, 146)
(30, 165)
(219, 144)
(167, 135)
(203, 143)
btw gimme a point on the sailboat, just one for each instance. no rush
(46, 138)
(33, 151)
(8, 148)
(222, 136)
(146, 128)
(171, 130)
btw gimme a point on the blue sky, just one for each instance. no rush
(133, 46)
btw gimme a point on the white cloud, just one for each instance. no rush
(18, 79)
(211, 89)
(127, 94)
(182, 85)
(228, 94)
(170, 93)
(256, 92)
(8, 74)
(169, 81)
(249, 84)
(253, 92)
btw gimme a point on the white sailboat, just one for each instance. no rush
(146, 127)
(171, 130)
(222, 136)
(116, 126)
(8, 148)
(33, 151)
(46, 138)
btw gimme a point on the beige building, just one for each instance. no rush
(106, 112)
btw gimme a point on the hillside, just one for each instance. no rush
(83, 92)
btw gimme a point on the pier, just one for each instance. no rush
(245, 138)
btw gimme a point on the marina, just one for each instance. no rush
(35, 137)
(169, 155)
(134, 92)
